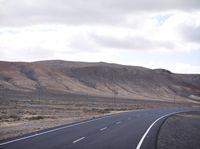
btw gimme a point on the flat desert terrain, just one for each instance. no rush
(22, 113)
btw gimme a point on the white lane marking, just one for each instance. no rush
(147, 131)
(78, 139)
(19, 139)
(103, 128)
(60, 128)
(118, 122)
(56, 129)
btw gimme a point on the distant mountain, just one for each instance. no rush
(100, 79)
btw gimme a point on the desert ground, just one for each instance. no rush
(25, 112)
(180, 131)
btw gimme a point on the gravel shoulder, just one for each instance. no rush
(180, 131)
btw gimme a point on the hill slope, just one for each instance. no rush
(102, 79)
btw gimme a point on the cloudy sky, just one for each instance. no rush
(149, 33)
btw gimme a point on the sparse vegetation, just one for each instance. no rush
(23, 112)
(99, 79)
(38, 117)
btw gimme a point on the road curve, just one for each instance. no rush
(126, 130)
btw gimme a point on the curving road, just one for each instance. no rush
(127, 130)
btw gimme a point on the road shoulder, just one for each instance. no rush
(180, 131)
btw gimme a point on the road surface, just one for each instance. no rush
(126, 130)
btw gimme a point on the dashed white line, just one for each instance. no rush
(103, 128)
(60, 128)
(118, 122)
(56, 129)
(78, 140)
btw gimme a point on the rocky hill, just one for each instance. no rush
(100, 79)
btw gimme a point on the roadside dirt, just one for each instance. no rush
(21, 117)
(180, 131)
(22, 113)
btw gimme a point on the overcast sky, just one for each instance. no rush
(149, 33)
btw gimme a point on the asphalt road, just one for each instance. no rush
(127, 130)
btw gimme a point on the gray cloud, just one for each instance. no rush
(23, 12)
(38, 52)
(191, 33)
(26, 54)
(132, 43)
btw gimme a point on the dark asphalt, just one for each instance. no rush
(118, 131)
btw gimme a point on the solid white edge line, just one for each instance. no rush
(147, 131)
(19, 139)
(38, 134)
(78, 139)
(52, 130)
